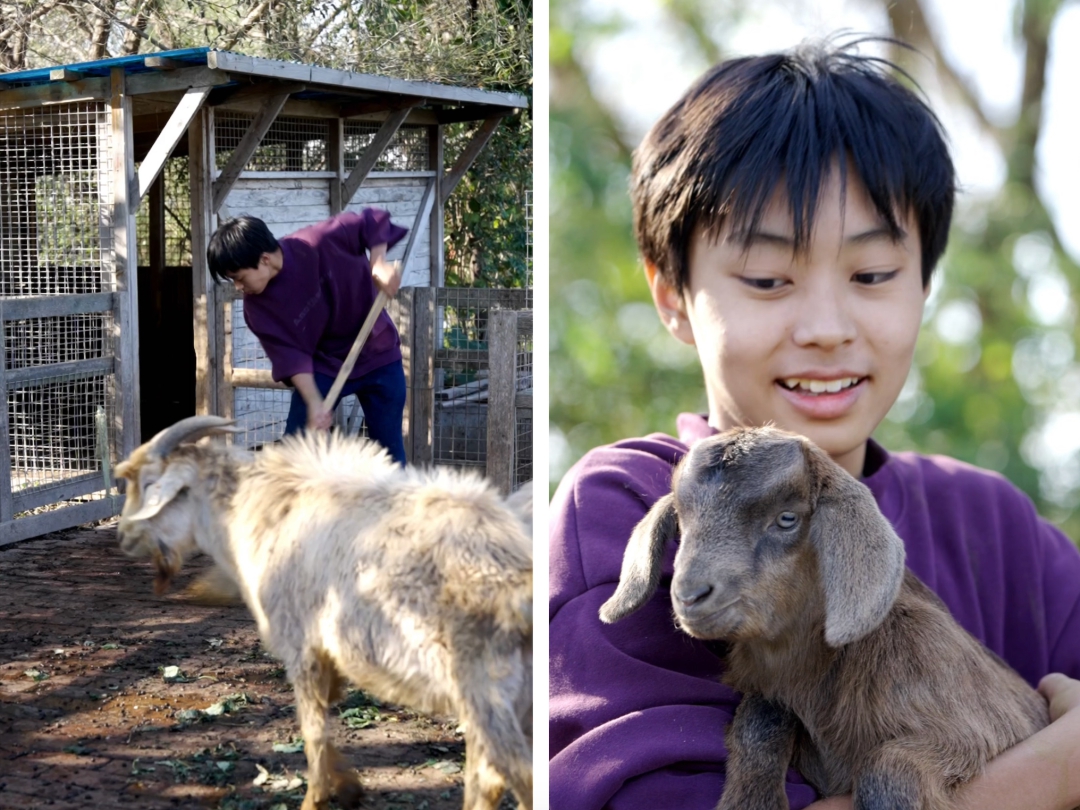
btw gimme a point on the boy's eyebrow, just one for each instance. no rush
(749, 238)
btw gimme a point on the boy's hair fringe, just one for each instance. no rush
(715, 158)
(237, 245)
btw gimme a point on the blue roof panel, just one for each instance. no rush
(101, 67)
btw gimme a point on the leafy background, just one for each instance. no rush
(996, 380)
(472, 43)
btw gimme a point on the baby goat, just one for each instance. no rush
(415, 585)
(851, 669)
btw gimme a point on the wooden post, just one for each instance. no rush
(502, 393)
(421, 418)
(401, 312)
(126, 264)
(208, 370)
(6, 497)
(335, 162)
(438, 211)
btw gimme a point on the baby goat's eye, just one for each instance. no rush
(787, 520)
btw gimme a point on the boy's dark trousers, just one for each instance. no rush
(382, 396)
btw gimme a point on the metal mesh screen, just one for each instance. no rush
(406, 152)
(523, 436)
(51, 236)
(59, 339)
(461, 372)
(59, 432)
(55, 241)
(291, 144)
(177, 217)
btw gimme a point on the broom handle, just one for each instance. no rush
(350, 361)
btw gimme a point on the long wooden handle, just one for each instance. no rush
(350, 361)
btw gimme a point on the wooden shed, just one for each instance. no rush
(111, 329)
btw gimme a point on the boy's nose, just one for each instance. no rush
(825, 320)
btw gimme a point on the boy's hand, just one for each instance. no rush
(1061, 692)
(319, 419)
(387, 276)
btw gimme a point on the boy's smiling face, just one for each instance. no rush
(818, 343)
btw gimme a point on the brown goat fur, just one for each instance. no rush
(851, 669)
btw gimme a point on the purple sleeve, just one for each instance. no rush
(1062, 581)
(376, 229)
(637, 713)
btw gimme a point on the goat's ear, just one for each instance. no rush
(159, 494)
(644, 554)
(860, 556)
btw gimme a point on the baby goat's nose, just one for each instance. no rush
(690, 595)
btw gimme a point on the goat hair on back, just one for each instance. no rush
(850, 668)
(415, 585)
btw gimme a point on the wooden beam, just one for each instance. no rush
(248, 144)
(472, 149)
(162, 63)
(35, 525)
(460, 114)
(387, 104)
(173, 80)
(436, 224)
(65, 75)
(256, 92)
(126, 417)
(174, 130)
(95, 89)
(206, 303)
(371, 155)
(501, 414)
(7, 512)
(335, 162)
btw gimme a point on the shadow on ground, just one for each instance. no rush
(111, 697)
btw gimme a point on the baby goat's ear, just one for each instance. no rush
(159, 494)
(860, 556)
(642, 560)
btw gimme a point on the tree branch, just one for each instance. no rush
(909, 23)
(245, 25)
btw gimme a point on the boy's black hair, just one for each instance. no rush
(237, 245)
(715, 158)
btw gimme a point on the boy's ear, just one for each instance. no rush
(670, 305)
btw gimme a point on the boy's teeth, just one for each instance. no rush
(820, 386)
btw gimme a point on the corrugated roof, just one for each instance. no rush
(319, 79)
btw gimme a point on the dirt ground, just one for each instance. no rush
(113, 697)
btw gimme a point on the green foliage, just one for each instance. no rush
(995, 381)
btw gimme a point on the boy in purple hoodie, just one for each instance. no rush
(306, 297)
(790, 210)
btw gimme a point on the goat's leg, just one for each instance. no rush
(760, 743)
(317, 684)
(497, 750)
(901, 775)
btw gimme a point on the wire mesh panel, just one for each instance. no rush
(51, 240)
(56, 260)
(407, 151)
(177, 202)
(291, 145)
(461, 379)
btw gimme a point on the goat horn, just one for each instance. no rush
(190, 429)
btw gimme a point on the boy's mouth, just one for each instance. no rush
(817, 387)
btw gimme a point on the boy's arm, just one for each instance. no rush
(637, 711)
(318, 418)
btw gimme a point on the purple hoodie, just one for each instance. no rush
(310, 313)
(637, 713)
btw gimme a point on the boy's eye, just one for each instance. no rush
(874, 277)
(762, 283)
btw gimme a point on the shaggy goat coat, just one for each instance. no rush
(415, 585)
